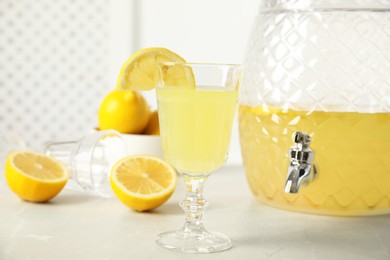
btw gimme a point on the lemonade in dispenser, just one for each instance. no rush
(315, 106)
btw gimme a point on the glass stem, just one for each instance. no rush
(194, 204)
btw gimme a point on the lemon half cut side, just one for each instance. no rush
(35, 177)
(143, 182)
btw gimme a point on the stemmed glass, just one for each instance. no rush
(196, 113)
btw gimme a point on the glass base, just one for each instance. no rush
(199, 242)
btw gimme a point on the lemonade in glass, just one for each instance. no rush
(195, 125)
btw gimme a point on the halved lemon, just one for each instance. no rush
(141, 71)
(35, 177)
(143, 182)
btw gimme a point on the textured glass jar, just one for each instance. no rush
(320, 67)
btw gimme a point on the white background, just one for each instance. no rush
(58, 59)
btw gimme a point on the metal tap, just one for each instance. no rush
(301, 169)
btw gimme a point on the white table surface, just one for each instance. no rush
(79, 226)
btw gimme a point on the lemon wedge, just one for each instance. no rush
(35, 177)
(141, 72)
(143, 182)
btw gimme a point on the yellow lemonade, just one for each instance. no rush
(195, 126)
(352, 156)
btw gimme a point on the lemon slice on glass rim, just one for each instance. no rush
(141, 71)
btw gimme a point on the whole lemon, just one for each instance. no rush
(125, 111)
(153, 127)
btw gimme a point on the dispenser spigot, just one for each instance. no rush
(301, 169)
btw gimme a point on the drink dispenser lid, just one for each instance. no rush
(323, 4)
(323, 56)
